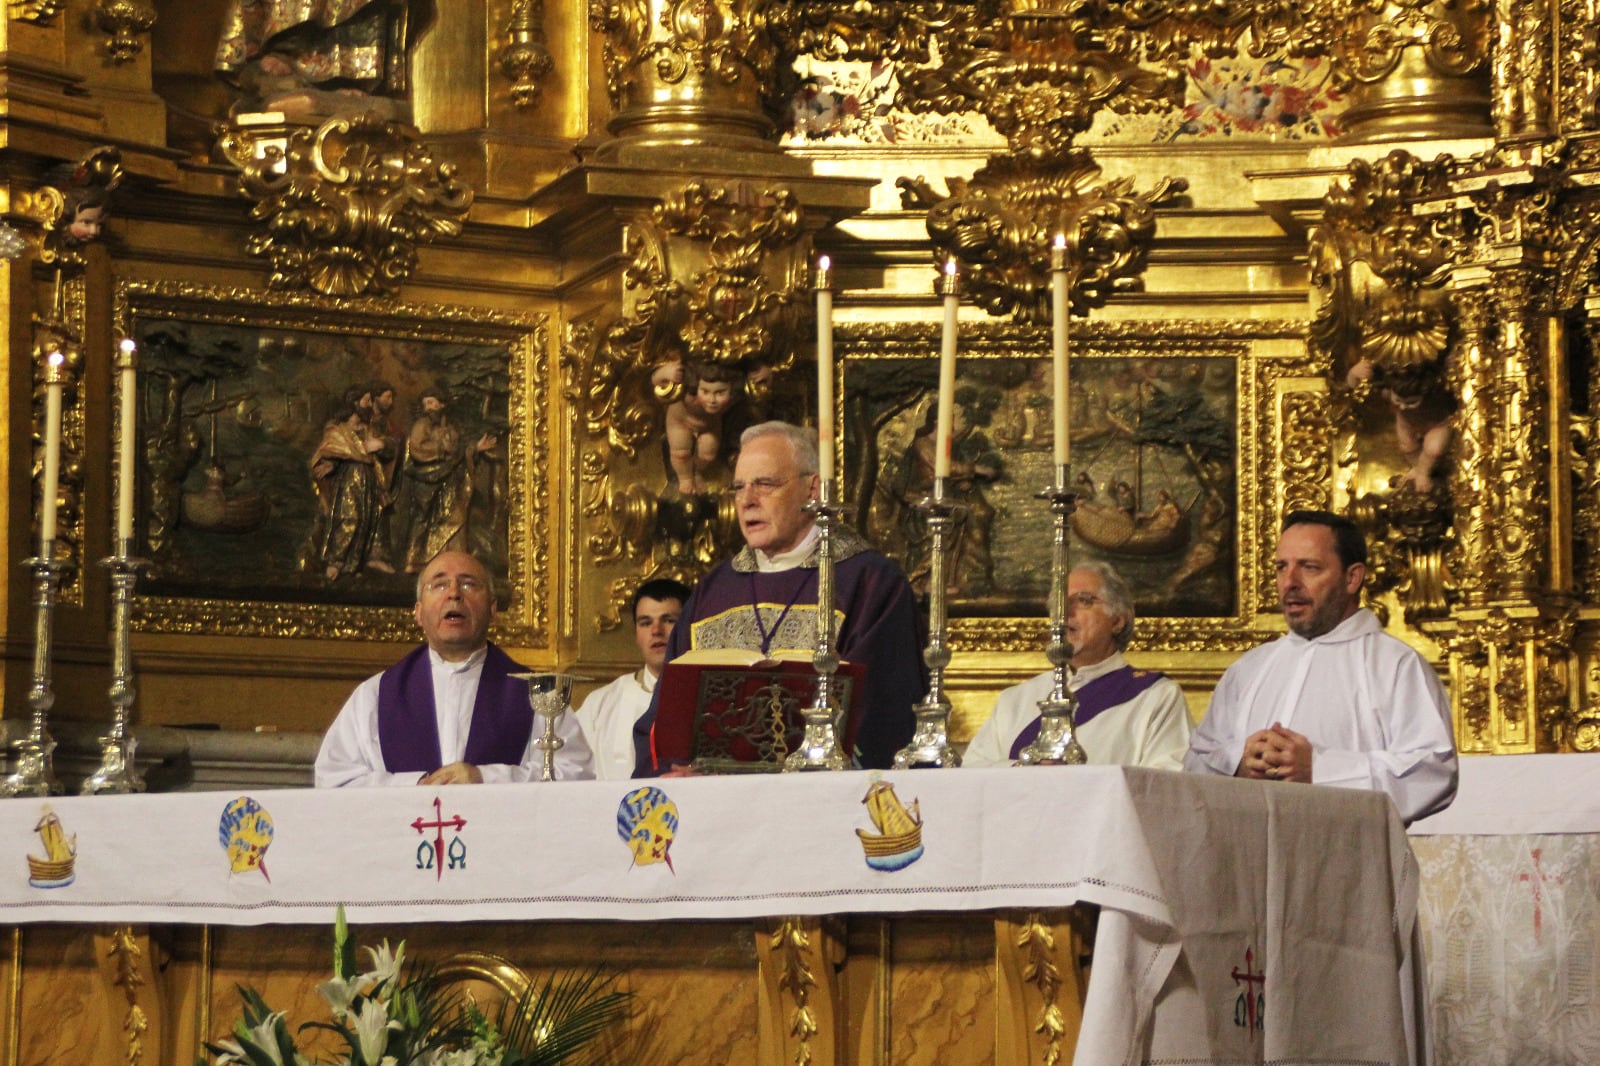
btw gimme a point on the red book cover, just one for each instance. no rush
(730, 718)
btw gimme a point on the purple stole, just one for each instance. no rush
(1101, 694)
(408, 729)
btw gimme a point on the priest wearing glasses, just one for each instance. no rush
(764, 599)
(449, 713)
(1124, 716)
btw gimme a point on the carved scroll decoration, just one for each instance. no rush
(345, 207)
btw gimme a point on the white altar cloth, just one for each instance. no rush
(1241, 921)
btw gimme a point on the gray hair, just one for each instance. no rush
(422, 574)
(1117, 595)
(803, 442)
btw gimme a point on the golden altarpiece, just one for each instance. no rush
(1325, 253)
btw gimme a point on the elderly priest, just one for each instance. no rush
(764, 599)
(449, 712)
(1124, 716)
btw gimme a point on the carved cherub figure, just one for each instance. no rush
(694, 420)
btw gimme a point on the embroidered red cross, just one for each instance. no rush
(439, 825)
(1536, 881)
(1250, 979)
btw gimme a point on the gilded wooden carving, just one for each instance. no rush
(524, 57)
(123, 21)
(345, 207)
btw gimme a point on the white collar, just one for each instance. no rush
(793, 557)
(471, 662)
(1086, 674)
(1361, 624)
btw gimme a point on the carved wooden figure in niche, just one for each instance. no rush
(1424, 417)
(319, 58)
(438, 477)
(694, 420)
(351, 493)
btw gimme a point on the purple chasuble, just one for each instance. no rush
(408, 728)
(1101, 694)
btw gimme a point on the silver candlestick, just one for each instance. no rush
(549, 695)
(118, 773)
(1056, 742)
(930, 744)
(819, 744)
(32, 773)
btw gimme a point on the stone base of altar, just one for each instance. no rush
(950, 989)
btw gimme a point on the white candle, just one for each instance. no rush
(1061, 315)
(52, 454)
(824, 371)
(127, 373)
(947, 372)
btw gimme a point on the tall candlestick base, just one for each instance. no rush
(118, 773)
(930, 744)
(550, 695)
(819, 742)
(32, 771)
(1056, 742)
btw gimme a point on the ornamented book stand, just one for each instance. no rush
(819, 744)
(1056, 742)
(930, 744)
(118, 772)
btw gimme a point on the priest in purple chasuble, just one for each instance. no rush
(448, 712)
(764, 599)
(1124, 716)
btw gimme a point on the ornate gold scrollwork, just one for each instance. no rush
(714, 278)
(345, 206)
(126, 954)
(1384, 327)
(39, 12)
(1510, 668)
(525, 57)
(720, 43)
(1001, 224)
(124, 20)
(1039, 75)
(798, 959)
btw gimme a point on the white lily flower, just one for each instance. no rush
(372, 1025)
(231, 1053)
(264, 1038)
(385, 964)
(340, 994)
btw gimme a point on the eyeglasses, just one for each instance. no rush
(465, 585)
(761, 487)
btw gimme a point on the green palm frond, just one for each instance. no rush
(550, 1023)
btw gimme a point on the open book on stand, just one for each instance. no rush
(729, 710)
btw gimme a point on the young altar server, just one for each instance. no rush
(608, 715)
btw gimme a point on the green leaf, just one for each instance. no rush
(344, 948)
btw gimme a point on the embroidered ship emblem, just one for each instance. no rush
(55, 868)
(897, 842)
